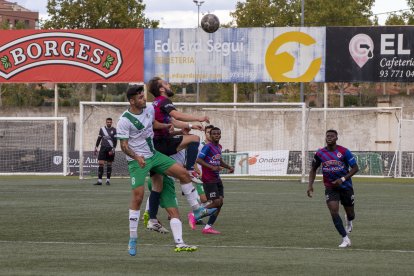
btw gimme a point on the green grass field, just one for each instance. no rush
(63, 226)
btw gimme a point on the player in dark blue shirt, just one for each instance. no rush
(211, 161)
(336, 161)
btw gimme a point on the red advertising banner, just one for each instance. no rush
(68, 56)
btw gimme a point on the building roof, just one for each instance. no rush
(11, 6)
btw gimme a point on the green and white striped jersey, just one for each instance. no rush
(138, 130)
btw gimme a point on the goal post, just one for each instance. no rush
(270, 133)
(34, 146)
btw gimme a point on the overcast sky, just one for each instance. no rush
(183, 13)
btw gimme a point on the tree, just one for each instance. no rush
(338, 12)
(402, 17)
(97, 14)
(395, 19)
(286, 13)
(267, 13)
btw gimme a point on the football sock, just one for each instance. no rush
(177, 230)
(191, 155)
(133, 223)
(100, 171)
(108, 171)
(207, 226)
(339, 225)
(212, 219)
(147, 205)
(154, 202)
(191, 195)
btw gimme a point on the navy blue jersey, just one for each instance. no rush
(162, 106)
(211, 154)
(335, 164)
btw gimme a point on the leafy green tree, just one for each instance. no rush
(97, 14)
(286, 13)
(402, 17)
(338, 12)
(395, 19)
(267, 13)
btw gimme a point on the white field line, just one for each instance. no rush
(226, 246)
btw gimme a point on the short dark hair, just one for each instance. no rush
(108, 119)
(332, 130)
(208, 127)
(215, 128)
(154, 86)
(134, 90)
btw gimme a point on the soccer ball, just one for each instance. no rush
(210, 23)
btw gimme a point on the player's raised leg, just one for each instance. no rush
(189, 191)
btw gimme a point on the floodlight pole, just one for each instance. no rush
(198, 4)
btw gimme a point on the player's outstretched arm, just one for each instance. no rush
(158, 125)
(185, 125)
(188, 117)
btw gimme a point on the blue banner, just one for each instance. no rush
(235, 55)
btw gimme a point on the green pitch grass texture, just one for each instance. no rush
(64, 226)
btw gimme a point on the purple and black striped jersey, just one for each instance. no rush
(162, 106)
(211, 154)
(335, 164)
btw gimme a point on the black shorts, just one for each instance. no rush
(105, 155)
(168, 145)
(346, 197)
(214, 190)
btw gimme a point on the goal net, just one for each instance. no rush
(406, 156)
(274, 139)
(33, 146)
(258, 138)
(372, 135)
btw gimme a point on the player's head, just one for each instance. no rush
(331, 137)
(136, 97)
(158, 87)
(215, 134)
(108, 122)
(207, 130)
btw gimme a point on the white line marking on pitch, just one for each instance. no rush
(227, 246)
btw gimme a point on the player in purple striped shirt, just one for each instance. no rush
(211, 161)
(335, 161)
